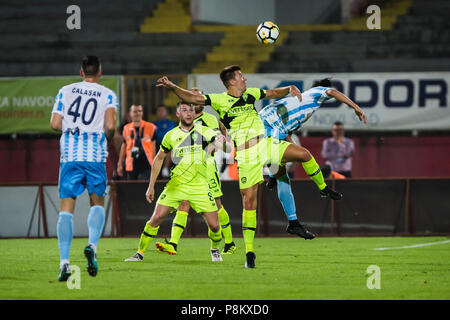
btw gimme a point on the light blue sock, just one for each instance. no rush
(96, 220)
(286, 197)
(64, 230)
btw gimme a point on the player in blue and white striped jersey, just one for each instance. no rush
(85, 112)
(281, 119)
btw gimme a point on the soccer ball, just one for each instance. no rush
(267, 32)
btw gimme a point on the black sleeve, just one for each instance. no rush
(263, 94)
(208, 100)
(166, 150)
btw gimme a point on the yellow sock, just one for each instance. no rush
(147, 237)
(249, 228)
(224, 221)
(215, 237)
(312, 169)
(178, 225)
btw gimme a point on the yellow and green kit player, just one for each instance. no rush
(190, 145)
(236, 109)
(180, 220)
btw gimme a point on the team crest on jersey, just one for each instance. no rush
(243, 179)
(194, 136)
(245, 96)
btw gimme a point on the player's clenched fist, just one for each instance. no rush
(164, 82)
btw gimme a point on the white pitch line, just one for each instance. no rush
(415, 245)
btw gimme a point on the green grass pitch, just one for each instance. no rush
(286, 269)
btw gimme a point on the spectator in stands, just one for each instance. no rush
(163, 126)
(338, 151)
(138, 146)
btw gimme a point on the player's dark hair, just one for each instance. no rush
(90, 65)
(338, 123)
(136, 105)
(322, 83)
(228, 73)
(179, 103)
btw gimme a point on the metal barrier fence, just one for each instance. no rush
(370, 207)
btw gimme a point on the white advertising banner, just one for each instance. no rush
(391, 101)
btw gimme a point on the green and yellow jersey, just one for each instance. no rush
(208, 120)
(238, 114)
(188, 154)
(211, 122)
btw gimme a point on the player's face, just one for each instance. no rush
(186, 114)
(240, 81)
(136, 113)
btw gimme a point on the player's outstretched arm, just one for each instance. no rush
(282, 92)
(343, 98)
(156, 169)
(183, 94)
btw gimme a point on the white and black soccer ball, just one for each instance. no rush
(267, 32)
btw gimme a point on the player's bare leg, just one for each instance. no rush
(67, 205)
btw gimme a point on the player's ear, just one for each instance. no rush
(81, 72)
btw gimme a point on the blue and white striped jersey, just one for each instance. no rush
(287, 115)
(83, 106)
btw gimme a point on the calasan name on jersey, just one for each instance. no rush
(82, 106)
(90, 93)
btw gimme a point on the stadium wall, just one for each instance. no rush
(370, 207)
(31, 210)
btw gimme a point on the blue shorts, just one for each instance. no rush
(76, 176)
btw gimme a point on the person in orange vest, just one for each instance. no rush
(233, 172)
(138, 146)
